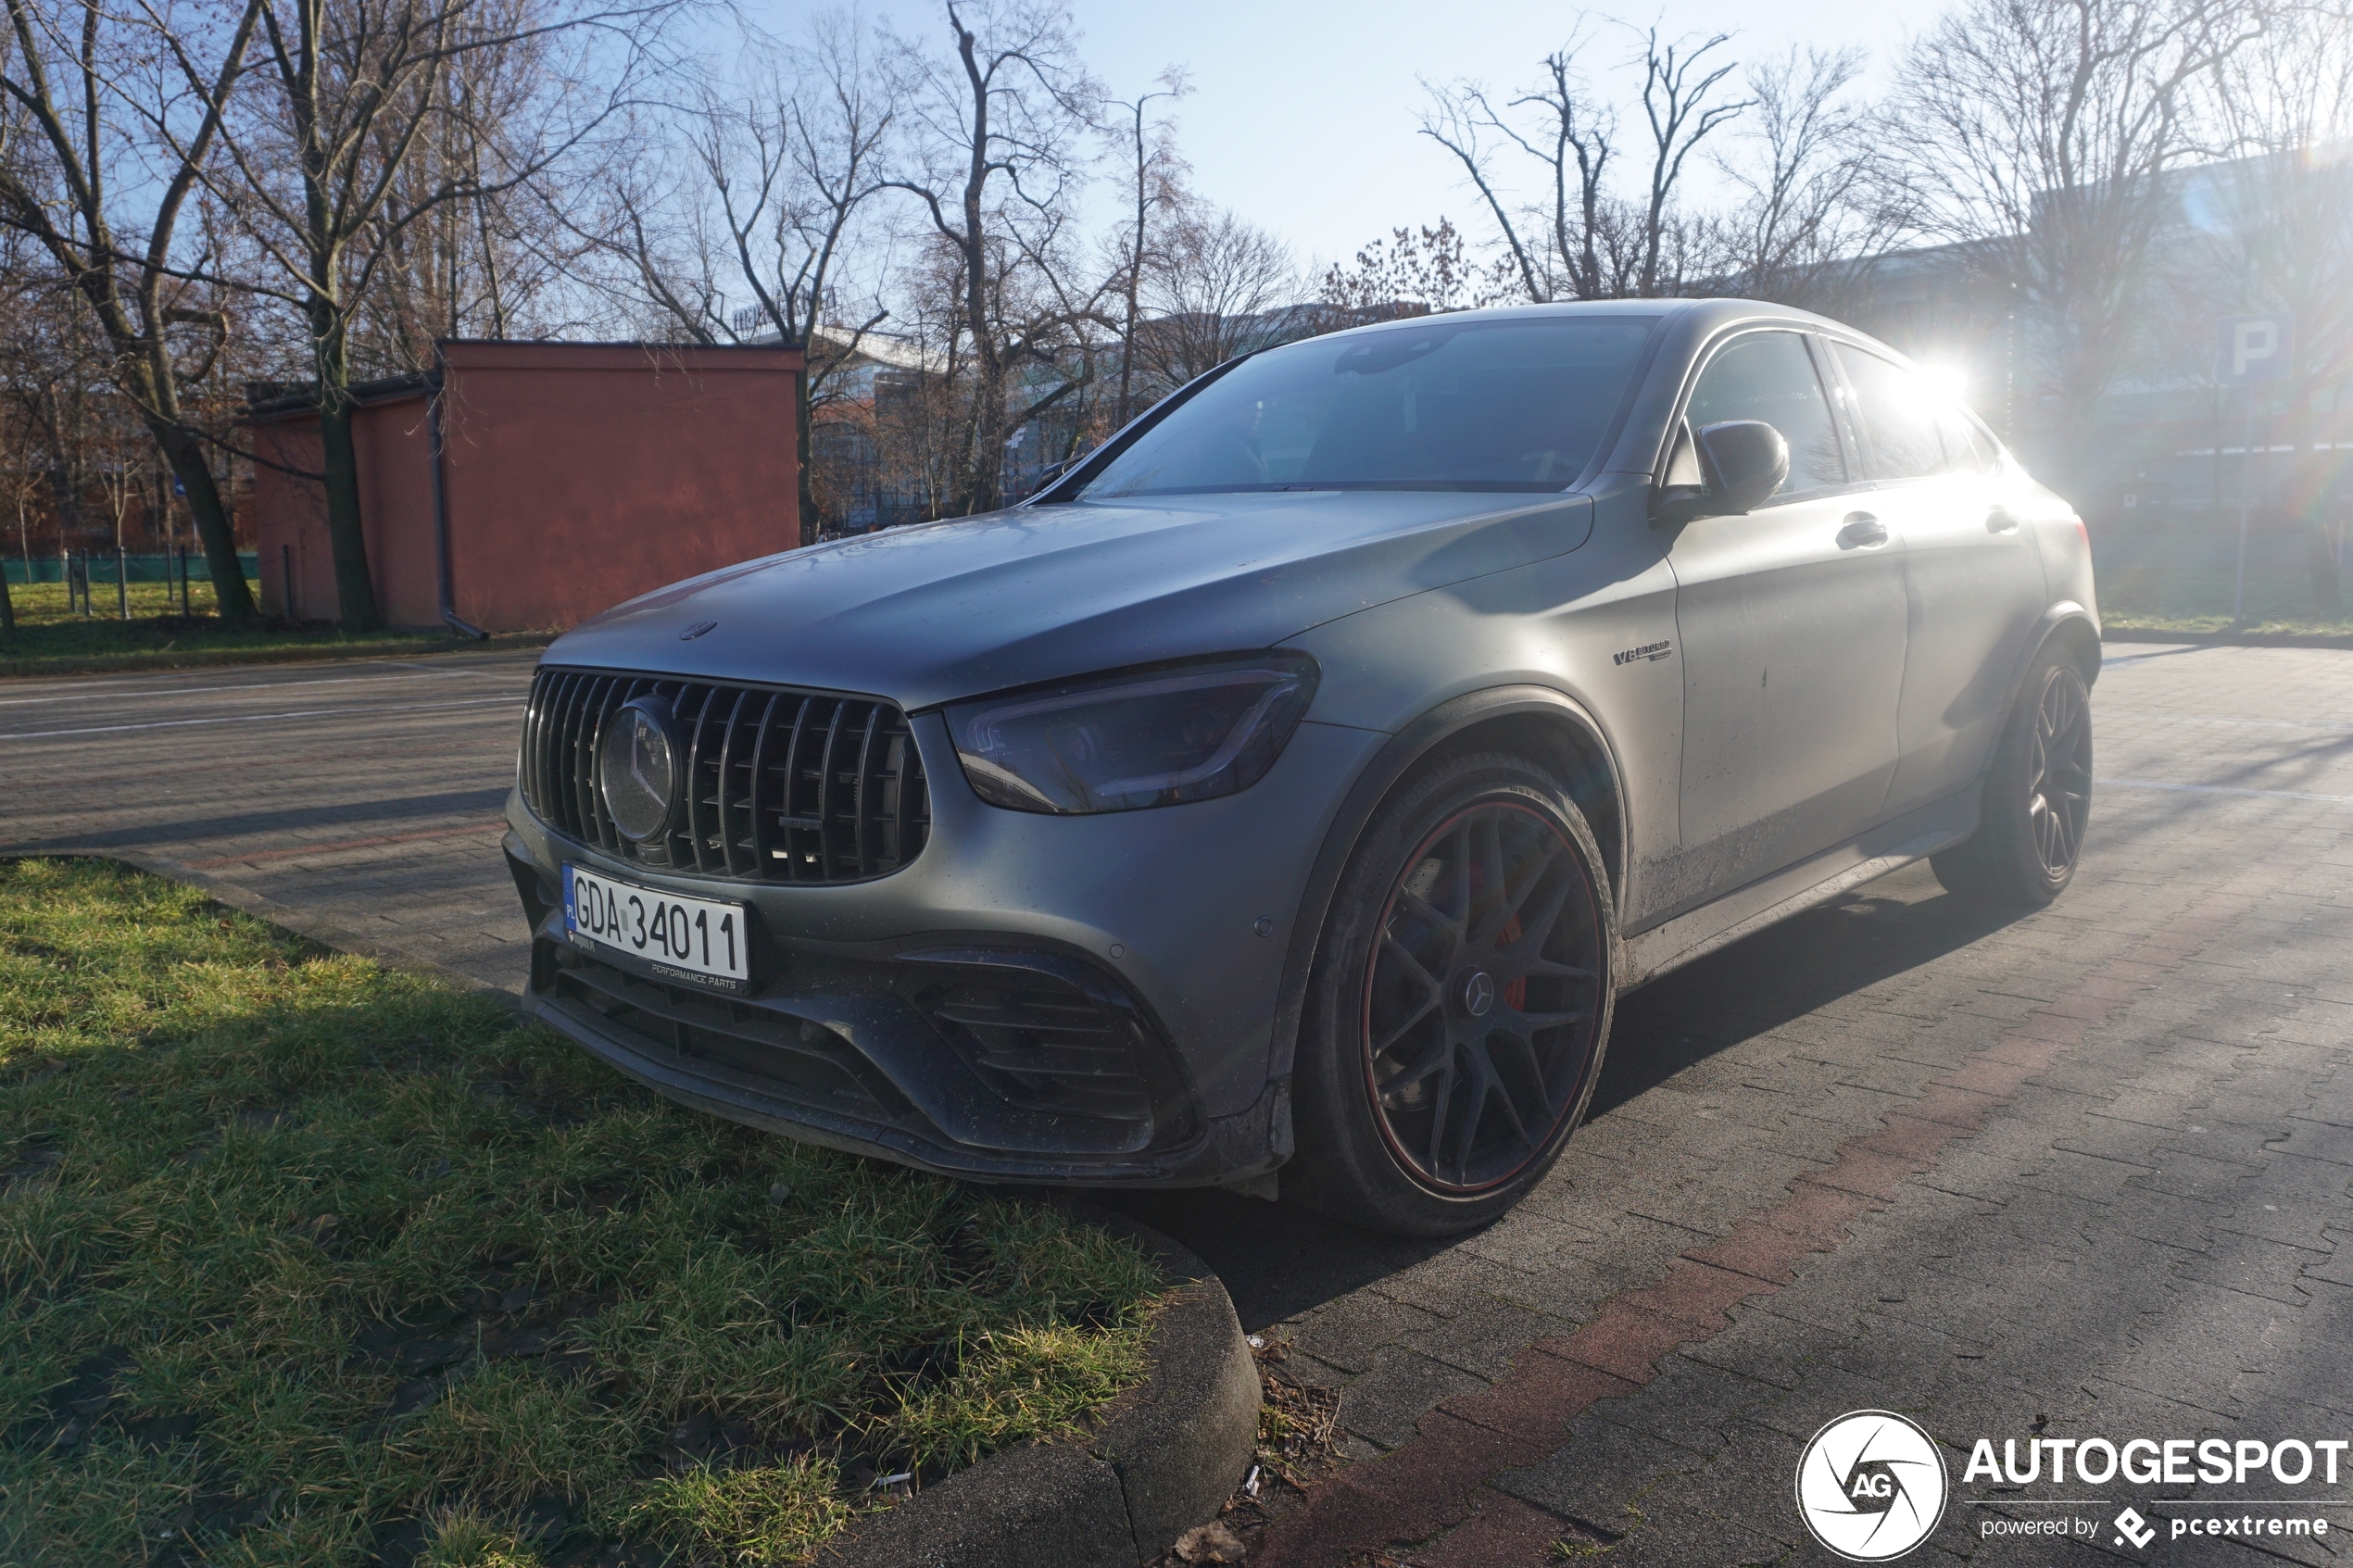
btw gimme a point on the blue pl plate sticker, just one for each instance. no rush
(572, 910)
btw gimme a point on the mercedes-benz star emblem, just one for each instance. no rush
(637, 770)
(1479, 994)
(1870, 1486)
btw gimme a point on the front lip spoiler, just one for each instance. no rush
(717, 1090)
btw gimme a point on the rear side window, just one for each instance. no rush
(1897, 412)
(1967, 445)
(1770, 376)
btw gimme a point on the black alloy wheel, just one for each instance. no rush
(1460, 1002)
(2038, 795)
(1478, 1007)
(2059, 771)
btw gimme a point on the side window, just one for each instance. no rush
(1898, 414)
(1770, 376)
(1969, 445)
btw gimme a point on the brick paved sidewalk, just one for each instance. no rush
(2078, 1174)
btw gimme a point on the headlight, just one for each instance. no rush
(1125, 742)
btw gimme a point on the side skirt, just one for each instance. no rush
(1889, 846)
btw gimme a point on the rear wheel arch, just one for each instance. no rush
(2069, 626)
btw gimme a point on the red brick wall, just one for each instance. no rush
(578, 475)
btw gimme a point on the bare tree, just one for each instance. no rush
(2039, 134)
(1678, 83)
(1215, 286)
(1580, 241)
(1413, 272)
(117, 111)
(347, 92)
(1569, 134)
(488, 258)
(2283, 107)
(1820, 206)
(763, 186)
(992, 158)
(1156, 175)
(53, 365)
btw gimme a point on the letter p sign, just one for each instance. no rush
(2254, 348)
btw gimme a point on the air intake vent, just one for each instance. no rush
(783, 786)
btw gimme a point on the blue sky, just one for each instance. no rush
(1302, 116)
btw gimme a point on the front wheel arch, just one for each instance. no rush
(1551, 725)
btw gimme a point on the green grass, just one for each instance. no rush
(2201, 601)
(308, 1261)
(51, 641)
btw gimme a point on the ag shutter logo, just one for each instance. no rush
(1870, 1486)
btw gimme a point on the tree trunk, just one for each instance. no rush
(986, 455)
(214, 532)
(8, 608)
(355, 594)
(355, 591)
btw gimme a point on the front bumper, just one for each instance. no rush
(1060, 999)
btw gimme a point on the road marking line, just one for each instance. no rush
(2222, 789)
(261, 718)
(237, 687)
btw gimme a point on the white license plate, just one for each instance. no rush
(682, 938)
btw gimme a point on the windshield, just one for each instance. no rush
(1439, 405)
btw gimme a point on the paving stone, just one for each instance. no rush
(1347, 1333)
(1483, 1336)
(1599, 1476)
(1389, 1396)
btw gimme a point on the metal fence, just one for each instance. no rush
(137, 568)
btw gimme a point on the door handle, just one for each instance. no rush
(2001, 519)
(1862, 532)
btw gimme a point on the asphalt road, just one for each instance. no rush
(2080, 1174)
(369, 794)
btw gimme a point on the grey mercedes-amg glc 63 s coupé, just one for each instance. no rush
(1292, 786)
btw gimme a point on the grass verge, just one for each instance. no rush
(49, 641)
(308, 1261)
(2186, 601)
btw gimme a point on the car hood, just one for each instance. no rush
(930, 613)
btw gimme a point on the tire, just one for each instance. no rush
(1463, 996)
(2038, 795)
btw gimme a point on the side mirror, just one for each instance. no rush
(1745, 462)
(1742, 462)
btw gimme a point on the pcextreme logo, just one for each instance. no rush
(1870, 1486)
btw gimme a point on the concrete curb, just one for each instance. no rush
(2232, 639)
(1165, 1460)
(216, 659)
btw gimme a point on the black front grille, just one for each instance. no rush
(784, 786)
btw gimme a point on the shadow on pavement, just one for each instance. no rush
(1280, 1259)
